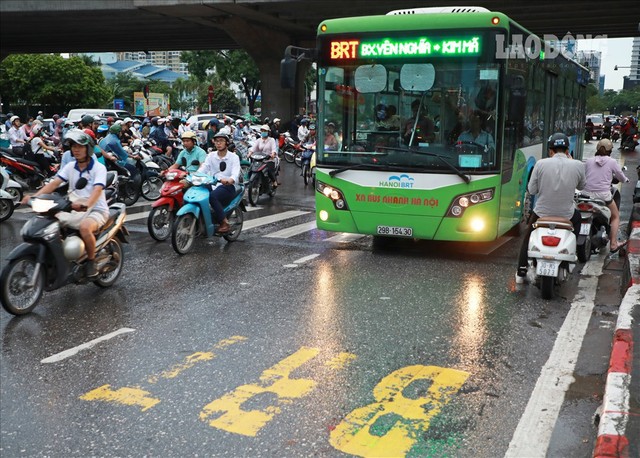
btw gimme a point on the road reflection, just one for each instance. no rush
(471, 331)
(323, 324)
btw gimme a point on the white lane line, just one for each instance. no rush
(344, 237)
(297, 262)
(136, 216)
(533, 433)
(251, 224)
(293, 230)
(72, 351)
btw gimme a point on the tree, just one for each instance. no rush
(123, 85)
(238, 67)
(199, 62)
(51, 80)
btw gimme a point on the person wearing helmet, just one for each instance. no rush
(40, 148)
(225, 167)
(191, 153)
(212, 129)
(554, 181)
(111, 144)
(182, 128)
(160, 136)
(90, 178)
(17, 138)
(599, 172)
(238, 133)
(275, 129)
(303, 130)
(86, 122)
(267, 145)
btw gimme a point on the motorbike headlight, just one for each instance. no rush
(42, 205)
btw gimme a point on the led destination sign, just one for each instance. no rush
(344, 49)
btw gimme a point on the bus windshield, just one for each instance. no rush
(419, 116)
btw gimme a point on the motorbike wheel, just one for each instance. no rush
(289, 155)
(160, 222)
(584, 250)
(546, 287)
(254, 190)
(108, 278)
(130, 194)
(306, 174)
(18, 298)
(235, 221)
(183, 233)
(16, 194)
(151, 188)
(6, 209)
(298, 159)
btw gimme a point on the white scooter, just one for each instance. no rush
(11, 186)
(552, 253)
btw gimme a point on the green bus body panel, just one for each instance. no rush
(412, 22)
(422, 210)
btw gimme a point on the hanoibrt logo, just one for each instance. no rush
(394, 181)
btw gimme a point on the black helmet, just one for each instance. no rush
(558, 141)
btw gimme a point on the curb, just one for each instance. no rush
(612, 440)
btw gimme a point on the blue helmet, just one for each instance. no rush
(102, 128)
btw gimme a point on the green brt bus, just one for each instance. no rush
(438, 116)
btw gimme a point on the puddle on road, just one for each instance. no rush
(586, 387)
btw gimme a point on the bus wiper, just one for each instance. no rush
(466, 178)
(349, 167)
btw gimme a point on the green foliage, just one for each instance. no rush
(122, 86)
(235, 66)
(622, 102)
(51, 80)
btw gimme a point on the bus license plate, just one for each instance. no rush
(395, 231)
(547, 269)
(585, 228)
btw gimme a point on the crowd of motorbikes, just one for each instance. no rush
(53, 255)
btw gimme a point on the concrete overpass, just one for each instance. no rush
(262, 27)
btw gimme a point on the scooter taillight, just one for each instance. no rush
(585, 207)
(550, 240)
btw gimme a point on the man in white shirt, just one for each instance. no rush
(225, 167)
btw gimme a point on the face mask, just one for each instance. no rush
(264, 134)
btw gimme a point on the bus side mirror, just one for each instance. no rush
(288, 68)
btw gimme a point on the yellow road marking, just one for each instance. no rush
(126, 396)
(363, 432)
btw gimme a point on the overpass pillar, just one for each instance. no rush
(266, 46)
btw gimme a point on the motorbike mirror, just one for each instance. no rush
(184, 161)
(223, 166)
(81, 183)
(196, 162)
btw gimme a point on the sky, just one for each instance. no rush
(615, 51)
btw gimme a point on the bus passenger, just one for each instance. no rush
(330, 140)
(425, 129)
(554, 180)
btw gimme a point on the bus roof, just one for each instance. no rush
(401, 22)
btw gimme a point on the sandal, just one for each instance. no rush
(616, 249)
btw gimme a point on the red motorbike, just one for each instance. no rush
(26, 172)
(163, 210)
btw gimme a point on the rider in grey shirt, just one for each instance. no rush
(554, 180)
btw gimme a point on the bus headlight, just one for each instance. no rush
(463, 201)
(324, 215)
(336, 196)
(477, 224)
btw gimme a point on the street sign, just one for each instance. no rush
(210, 96)
(118, 104)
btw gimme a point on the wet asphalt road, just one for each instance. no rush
(239, 350)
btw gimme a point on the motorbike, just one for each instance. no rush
(291, 149)
(150, 181)
(195, 218)
(7, 203)
(552, 253)
(53, 255)
(26, 173)
(128, 186)
(259, 181)
(630, 142)
(242, 150)
(594, 228)
(11, 186)
(305, 161)
(163, 211)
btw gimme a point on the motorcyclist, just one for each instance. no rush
(627, 129)
(238, 133)
(606, 128)
(225, 167)
(554, 180)
(267, 146)
(16, 136)
(303, 130)
(212, 129)
(588, 134)
(111, 143)
(191, 152)
(91, 197)
(599, 171)
(159, 135)
(275, 129)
